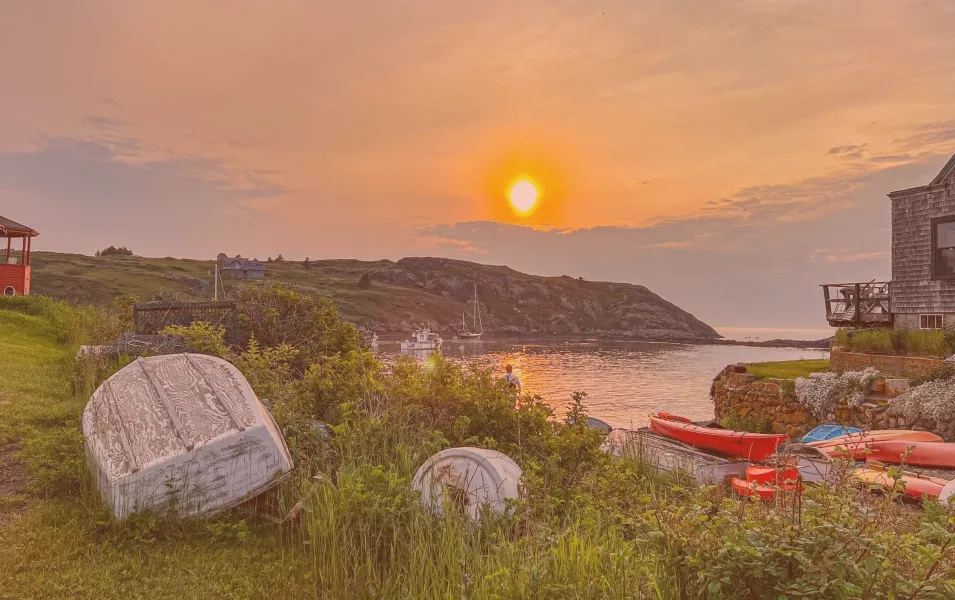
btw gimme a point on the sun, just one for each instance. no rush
(523, 196)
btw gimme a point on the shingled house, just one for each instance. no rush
(241, 268)
(921, 294)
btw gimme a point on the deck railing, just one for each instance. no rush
(867, 304)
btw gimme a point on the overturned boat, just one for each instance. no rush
(181, 433)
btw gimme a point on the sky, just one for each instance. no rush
(731, 155)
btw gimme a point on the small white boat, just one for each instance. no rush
(423, 339)
(182, 434)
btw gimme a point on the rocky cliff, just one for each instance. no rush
(513, 302)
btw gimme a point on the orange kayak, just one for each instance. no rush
(855, 445)
(919, 454)
(915, 485)
(726, 442)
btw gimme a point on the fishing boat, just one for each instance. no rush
(915, 485)
(855, 446)
(423, 339)
(726, 442)
(919, 454)
(477, 327)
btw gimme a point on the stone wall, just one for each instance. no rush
(901, 366)
(738, 393)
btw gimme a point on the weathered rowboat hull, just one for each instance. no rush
(181, 433)
(733, 444)
(670, 456)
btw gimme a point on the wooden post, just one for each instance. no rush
(825, 292)
(23, 251)
(858, 302)
(8, 248)
(26, 260)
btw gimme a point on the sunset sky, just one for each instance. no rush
(728, 154)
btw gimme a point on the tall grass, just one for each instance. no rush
(903, 342)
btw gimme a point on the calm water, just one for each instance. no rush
(624, 381)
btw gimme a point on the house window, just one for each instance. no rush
(930, 321)
(943, 248)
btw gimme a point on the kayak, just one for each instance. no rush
(772, 475)
(827, 432)
(726, 442)
(763, 491)
(919, 454)
(855, 445)
(916, 485)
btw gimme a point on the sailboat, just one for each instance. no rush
(477, 329)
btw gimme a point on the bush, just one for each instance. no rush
(903, 342)
(750, 422)
(114, 251)
(201, 338)
(821, 392)
(276, 315)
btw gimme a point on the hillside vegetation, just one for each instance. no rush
(587, 526)
(396, 296)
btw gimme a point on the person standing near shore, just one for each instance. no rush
(512, 379)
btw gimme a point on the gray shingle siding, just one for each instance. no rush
(913, 289)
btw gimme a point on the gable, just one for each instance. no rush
(947, 172)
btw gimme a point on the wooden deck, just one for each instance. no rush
(858, 305)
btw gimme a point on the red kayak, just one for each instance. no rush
(763, 491)
(760, 474)
(920, 454)
(855, 445)
(726, 442)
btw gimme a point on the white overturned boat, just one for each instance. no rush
(181, 433)
(422, 339)
(668, 455)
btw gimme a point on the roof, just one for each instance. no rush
(242, 264)
(945, 172)
(10, 228)
(940, 179)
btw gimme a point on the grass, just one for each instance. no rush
(590, 526)
(56, 541)
(788, 369)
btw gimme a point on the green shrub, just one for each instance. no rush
(903, 342)
(201, 337)
(751, 422)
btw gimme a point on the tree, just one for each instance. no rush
(279, 258)
(114, 251)
(307, 264)
(269, 260)
(365, 281)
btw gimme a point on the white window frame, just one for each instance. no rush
(941, 321)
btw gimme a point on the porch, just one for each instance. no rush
(858, 305)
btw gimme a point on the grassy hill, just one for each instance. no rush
(402, 294)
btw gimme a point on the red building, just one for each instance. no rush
(15, 270)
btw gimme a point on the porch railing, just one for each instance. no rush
(867, 304)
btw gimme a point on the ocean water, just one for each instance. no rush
(624, 381)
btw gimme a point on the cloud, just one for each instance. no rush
(754, 257)
(79, 190)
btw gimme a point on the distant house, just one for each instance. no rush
(921, 294)
(241, 268)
